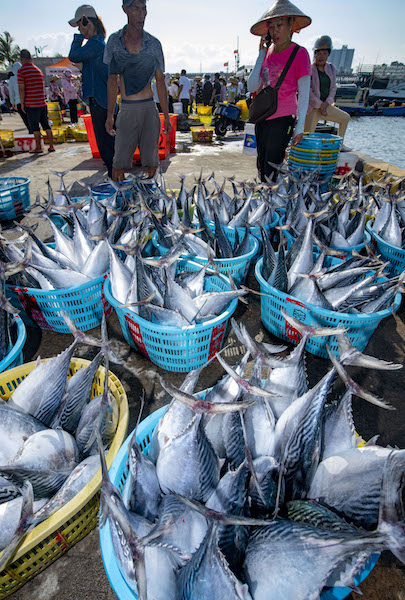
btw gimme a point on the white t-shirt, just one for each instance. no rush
(185, 92)
(241, 87)
(173, 90)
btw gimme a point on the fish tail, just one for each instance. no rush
(391, 522)
(309, 331)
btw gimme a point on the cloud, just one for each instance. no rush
(52, 43)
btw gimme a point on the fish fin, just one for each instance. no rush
(372, 441)
(252, 389)
(349, 355)
(354, 387)
(312, 331)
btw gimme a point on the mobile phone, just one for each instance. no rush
(85, 21)
(269, 39)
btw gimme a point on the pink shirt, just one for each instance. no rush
(273, 64)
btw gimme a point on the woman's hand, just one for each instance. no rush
(262, 42)
(324, 109)
(297, 139)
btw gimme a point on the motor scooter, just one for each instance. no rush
(227, 116)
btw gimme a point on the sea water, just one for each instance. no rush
(379, 137)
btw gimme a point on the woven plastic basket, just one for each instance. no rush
(238, 267)
(173, 348)
(118, 475)
(14, 197)
(360, 326)
(84, 304)
(14, 357)
(49, 540)
(395, 256)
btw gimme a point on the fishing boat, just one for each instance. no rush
(354, 100)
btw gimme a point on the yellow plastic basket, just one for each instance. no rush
(202, 134)
(52, 106)
(52, 538)
(205, 120)
(204, 110)
(7, 138)
(59, 135)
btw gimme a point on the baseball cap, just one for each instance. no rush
(85, 10)
(129, 2)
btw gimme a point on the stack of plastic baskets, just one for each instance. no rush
(14, 356)
(360, 326)
(395, 256)
(238, 267)
(317, 152)
(56, 535)
(177, 349)
(14, 197)
(118, 475)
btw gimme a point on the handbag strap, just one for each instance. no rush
(287, 66)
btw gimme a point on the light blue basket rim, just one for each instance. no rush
(115, 577)
(25, 181)
(218, 261)
(253, 229)
(381, 314)
(378, 238)
(18, 346)
(156, 327)
(59, 293)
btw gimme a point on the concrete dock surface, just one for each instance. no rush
(79, 574)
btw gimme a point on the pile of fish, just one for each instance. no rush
(259, 490)
(354, 284)
(48, 448)
(389, 223)
(155, 290)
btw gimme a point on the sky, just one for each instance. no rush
(202, 36)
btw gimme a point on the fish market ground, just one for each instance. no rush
(79, 574)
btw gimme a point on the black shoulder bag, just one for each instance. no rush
(265, 103)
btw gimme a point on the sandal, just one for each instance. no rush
(51, 149)
(36, 151)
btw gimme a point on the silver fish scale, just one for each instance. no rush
(233, 439)
(209, 471)
(317, 516)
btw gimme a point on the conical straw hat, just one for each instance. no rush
(281, 8)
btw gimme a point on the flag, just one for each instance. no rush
(236, 51)
(226, 64)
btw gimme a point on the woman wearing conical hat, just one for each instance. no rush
(275, 29)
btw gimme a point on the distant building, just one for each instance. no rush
(342, 59)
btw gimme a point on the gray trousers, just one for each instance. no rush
(138, 125)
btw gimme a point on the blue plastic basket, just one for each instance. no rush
(395, 256)
(173, 348)
(360, 326)
(238, 267)
(84, 304)
(14, 357)
(320, 141)
(14, 198)
(118, 474)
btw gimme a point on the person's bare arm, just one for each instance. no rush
(21, 91)
(112, 93)
(162, 95)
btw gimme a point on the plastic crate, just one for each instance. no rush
(395, 256)
(360, 326)
(238, 267)
(52, 538)
(84, 304)
(14, 357)
(59, 134)
(173, 348)
(80, 134)
(14, 197)
(118, 475)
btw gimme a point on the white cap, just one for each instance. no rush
(83, 11)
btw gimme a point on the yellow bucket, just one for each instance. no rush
(244, 115)
(202, 134)
(204, 110)
(205, 120)
(53, 105)
(7, 138)
(52, 538)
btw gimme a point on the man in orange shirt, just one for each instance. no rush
(31, 86)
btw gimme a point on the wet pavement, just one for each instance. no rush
(79, 574)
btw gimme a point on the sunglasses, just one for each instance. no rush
(84, 21)
(321, 50)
